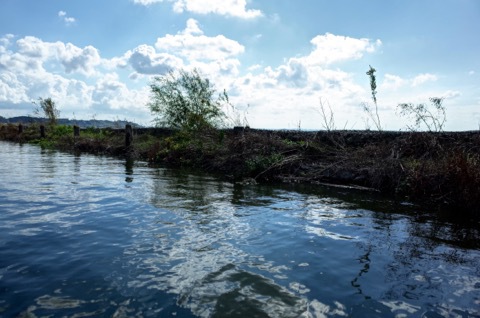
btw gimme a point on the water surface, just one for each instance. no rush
(85, 236)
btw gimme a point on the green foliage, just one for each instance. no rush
(49, 109)
(61, 131)
(373, 114)
(433, 117)
(186, 101)
(260, 163)
(44, 143)
(97, 133)
(373, 83)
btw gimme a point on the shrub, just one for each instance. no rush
(186, 101)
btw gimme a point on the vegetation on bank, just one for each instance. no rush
(441, 169)
(434, 167)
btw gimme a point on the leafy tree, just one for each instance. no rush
(49, 109)
(432, 117)
(185, 100)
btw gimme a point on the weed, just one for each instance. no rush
(433, 119)
(373, 114)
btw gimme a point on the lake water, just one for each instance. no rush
(89, 236)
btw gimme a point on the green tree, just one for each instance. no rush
(186, 100)
(49, 109)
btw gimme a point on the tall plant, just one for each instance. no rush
(373, 114)
(49, 109)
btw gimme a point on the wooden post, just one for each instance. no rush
(76, 131)
(20, 128)
(128, 135)
(42, 131)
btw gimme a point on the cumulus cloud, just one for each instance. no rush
(109, 90)
(26, 73)
(295, 86)
(423, 78)
(32, 53)
(312, 70)
(12, 89)
(5, 42)
(76, 59)
(294, 73)
(233, 8)
(192, 44)
(189, 48)
(145, 60)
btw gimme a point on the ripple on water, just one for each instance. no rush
(95, 236)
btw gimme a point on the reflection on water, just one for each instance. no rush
(84, 236)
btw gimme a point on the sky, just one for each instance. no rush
(279, 61)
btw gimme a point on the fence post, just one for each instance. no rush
(128, 135)
(42, 131)
(76, 131)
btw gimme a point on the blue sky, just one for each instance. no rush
(277, 59)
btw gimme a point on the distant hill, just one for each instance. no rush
(64, 121)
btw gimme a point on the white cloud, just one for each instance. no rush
(254, 67)
(12, 89)
(423, 78)
(75, 59)
(392, 82)
(311, 71)
(192, 27)
(32, 53)
(5, 42)
(110, 91)
(68, 20)
(24, 77)
(234, 8)
(190, 48)
(450, 94)
(147, 2)
(145, 60)
(291, 91)
(193, 45)
(294, 73)
(329, 48)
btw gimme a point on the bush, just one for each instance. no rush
(186, 101)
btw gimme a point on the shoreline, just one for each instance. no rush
(438, 169)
